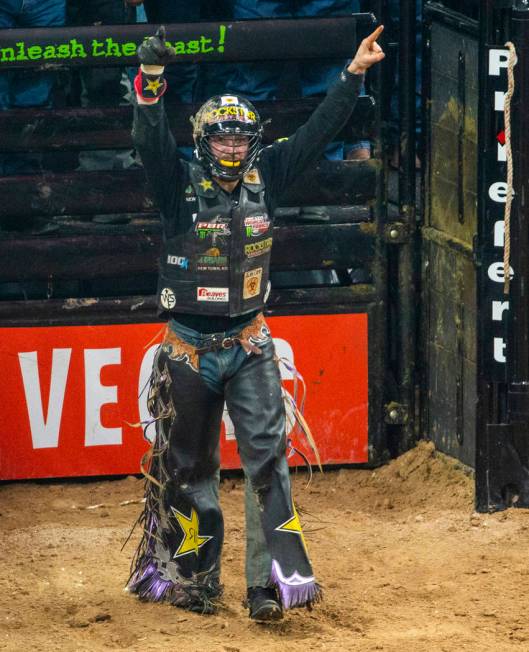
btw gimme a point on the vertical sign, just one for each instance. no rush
(495, 304)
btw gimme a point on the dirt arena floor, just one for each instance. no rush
(406, 566)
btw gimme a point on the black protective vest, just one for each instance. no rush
(220, 264)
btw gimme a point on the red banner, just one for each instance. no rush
(70, 394)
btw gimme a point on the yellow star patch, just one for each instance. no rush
(192, 541)
(293, 524)
(206, 184)
(153, 85)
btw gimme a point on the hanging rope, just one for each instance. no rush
(508, 152)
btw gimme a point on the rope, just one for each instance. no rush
(508, 152)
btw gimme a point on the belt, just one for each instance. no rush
(217, 342)
(255, 333)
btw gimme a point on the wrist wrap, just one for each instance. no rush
(149, 87)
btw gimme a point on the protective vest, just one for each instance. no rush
(220, 264)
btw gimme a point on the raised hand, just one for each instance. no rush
(369, 52)
(154, 51)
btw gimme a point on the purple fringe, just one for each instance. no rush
(148, 584)
(295, 591)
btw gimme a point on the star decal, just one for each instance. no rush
(293, 524)
(206, 184)
(153, 85)
(192, 541)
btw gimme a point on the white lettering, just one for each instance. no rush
(499, 233)
(498, 59)
(502, 153)
(496, 272)
(143, 390)
(45, 431)
(98, 395)
(499, 349)
(498, 308)
(498, 192)
(499, 101)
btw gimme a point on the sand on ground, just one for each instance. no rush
(406, 564)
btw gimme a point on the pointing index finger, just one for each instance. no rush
(160, 33)
(375, 34)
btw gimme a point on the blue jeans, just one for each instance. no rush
(216, 368)
(21, 89)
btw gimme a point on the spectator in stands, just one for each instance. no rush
(27, 88)
(217, 219)
(190, 82)
(103, 86)
(263, 81)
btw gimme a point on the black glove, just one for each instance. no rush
(154, 51)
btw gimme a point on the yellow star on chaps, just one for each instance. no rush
(153, 85)
(192, 541)
(206, 184)
(293, 524)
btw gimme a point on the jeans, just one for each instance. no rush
(215, 368)
(26, 88)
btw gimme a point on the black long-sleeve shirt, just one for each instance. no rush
(279, 164)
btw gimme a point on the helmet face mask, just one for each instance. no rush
(228, 117)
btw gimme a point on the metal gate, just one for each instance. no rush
(476, 338)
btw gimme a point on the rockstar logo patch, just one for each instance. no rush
(153, 85)
(293, 525)
(192, 541)
(206, 184)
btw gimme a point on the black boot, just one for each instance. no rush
(264, 604)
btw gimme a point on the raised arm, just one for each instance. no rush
(288, 158)
(150, 130)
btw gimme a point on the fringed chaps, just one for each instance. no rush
(178, 559)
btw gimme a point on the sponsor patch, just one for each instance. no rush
(228, 99)
(179, 261)
(252, 177)
(230, 112)
(256, 225)
(205, 229)
(167, 299)
(213, 294)
(258, 248)
(214, 263)
(252, 283)
(190, 194)
(206, 184)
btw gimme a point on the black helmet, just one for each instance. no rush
(228, 115)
